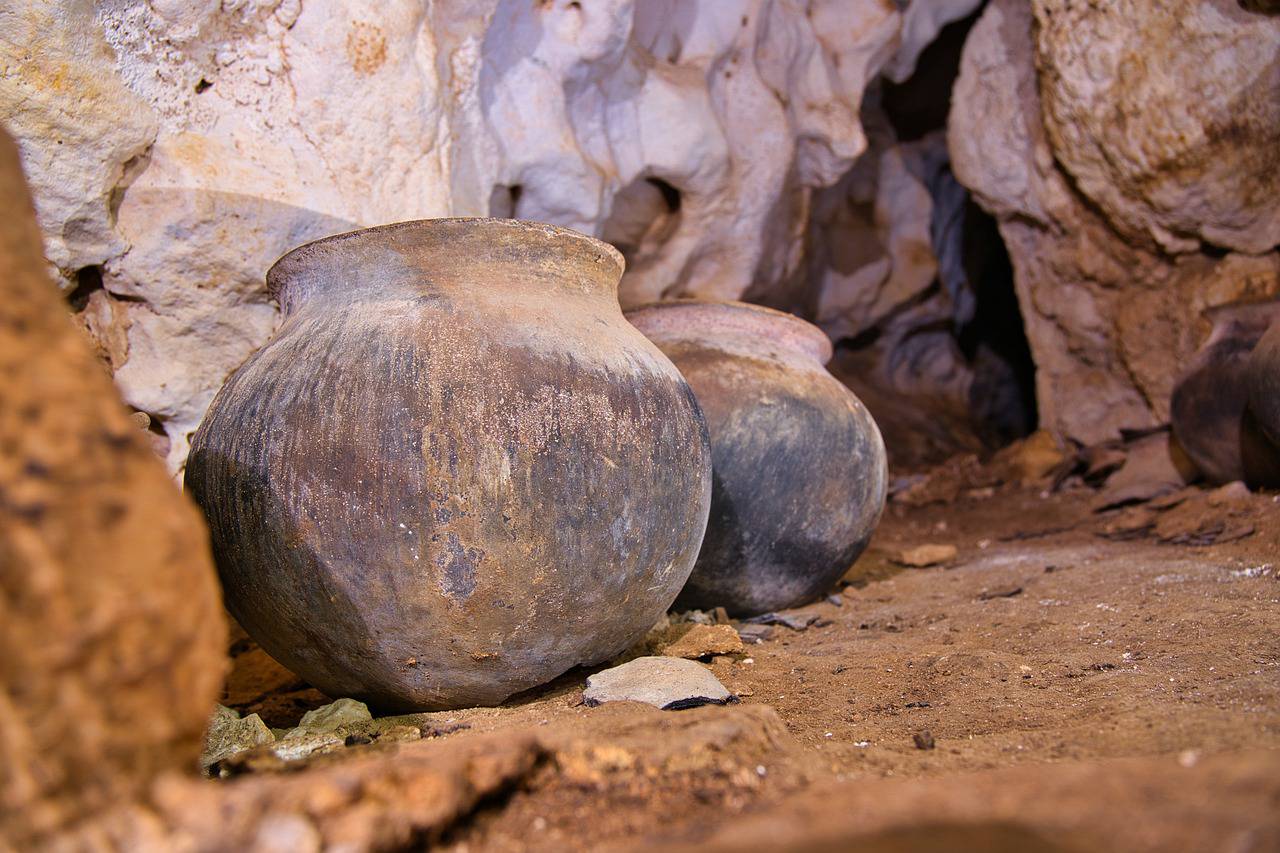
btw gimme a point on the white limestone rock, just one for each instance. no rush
(668, 683)
(994, 133)
(82, 134)
(203, 226)
(871, 246)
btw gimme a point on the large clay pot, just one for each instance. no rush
(798, 463)
(456, 471)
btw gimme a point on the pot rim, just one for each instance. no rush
(798, 334)
(299, 257)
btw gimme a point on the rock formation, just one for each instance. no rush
(921, 23)
(1167, 117)
(1098, 213)
(109, 612)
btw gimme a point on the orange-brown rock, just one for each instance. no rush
(109, 616)
(696, 641)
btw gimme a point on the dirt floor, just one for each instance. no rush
(1070, 680)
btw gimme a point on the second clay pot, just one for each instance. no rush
(798, 465)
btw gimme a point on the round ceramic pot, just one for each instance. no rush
(456, 471)
(798, 463)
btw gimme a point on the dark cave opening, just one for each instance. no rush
(670, 194)
(504, 201)
(88, 279)
(950, 369)
(644, 215)
(919, 104)
(994, 340)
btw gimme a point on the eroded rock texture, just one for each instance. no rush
(178, 148)
(109, 612)
(1167, 117)
(1111, 312)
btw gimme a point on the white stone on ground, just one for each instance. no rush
(667, 683)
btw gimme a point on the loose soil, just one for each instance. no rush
(1067, 681)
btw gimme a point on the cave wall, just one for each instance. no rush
(736, 148)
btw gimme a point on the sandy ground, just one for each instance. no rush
(1048, 688)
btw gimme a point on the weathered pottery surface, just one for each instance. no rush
(1210, 410)
(1264, 383)
(799, 465)
(456, 471)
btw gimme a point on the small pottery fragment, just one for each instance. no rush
(456, 471)
(798, 463)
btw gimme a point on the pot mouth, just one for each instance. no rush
(428, 244)
(695, 319)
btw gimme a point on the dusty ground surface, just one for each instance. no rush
(1070, 680)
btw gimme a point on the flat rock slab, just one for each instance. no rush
(796, 620)
(671, 684)
(754, 633)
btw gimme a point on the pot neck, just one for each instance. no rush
(748, 326)
(422, 256)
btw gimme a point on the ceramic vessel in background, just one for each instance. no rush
(456, 471)
(1263, 380)
(1210, 408)
(798, 463)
